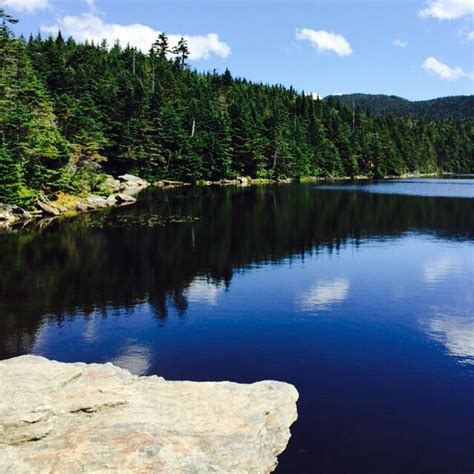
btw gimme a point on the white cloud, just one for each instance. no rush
(400, 43)
(444, 71)
(325, 41)
(92, 28)
(325, 294)
(28, 6)
(447, 9)
(314, 95)
(466, 35)
(92, 6)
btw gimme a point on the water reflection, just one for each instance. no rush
(91, 332)
(456, 333)
(440, 268)
(436, 187)
(135, 357)
(231, 292)
(77, 267)
(203, 291)
(324, 294)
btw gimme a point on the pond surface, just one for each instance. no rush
(363, 300)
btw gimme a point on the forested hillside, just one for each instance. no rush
(70, 112)
(456, 107)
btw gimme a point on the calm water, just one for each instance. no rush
(363, 300)
(457, 187)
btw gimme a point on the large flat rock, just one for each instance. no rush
(58, 418)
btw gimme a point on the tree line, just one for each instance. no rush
(71, 112)
(456, 107)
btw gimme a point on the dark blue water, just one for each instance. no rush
(363, 300)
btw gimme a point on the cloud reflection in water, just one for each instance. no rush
(456, 333)
(437, 270)
(135, 358)
(324, 294)
(203, 291)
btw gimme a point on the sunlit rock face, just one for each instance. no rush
(57, 417)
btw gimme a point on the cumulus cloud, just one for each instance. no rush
(444, 71)
(447, 9)
(400, 43)
(466, 35)
(28, 6)
(325, 41)
(91, 27)
(92, 6)
(324, 294)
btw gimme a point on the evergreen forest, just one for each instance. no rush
(72, 112)
(455, 107)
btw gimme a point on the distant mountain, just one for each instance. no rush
(457, 107)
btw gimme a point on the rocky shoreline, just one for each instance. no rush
(123, 191)
(57, 417)
(120, 192)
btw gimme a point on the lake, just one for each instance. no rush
(361, 295)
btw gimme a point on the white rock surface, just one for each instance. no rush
(70, 418)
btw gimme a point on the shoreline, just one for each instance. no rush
(124, 190)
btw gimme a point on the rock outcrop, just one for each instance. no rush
(48, 208)
(11, 215)
(124, 198)
(57, 418)
(168, 183)
(119, 192)
(128, 180)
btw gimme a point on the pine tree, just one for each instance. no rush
(181, 51)
(29, 132)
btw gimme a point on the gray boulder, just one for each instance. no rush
(124, 198)
(58, 418)
(133, 181)
(111, 200)
(48, 208)
(109, 185)
(82, 206)
(96, 202)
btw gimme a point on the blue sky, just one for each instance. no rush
(337, 46)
